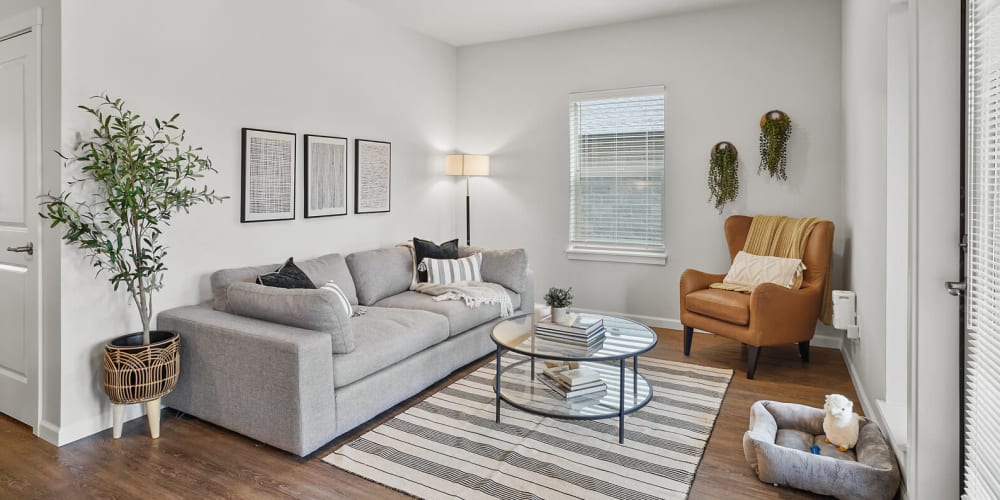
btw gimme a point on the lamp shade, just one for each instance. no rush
(467, 165)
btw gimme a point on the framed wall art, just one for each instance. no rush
(372, 176)
(268, 180)
(325, 176)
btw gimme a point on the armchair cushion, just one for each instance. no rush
(731, 307)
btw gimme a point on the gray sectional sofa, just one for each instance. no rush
(283, 382)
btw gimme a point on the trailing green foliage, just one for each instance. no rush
(134, 178)
(723, 174)
(775, 129)
(559, 297)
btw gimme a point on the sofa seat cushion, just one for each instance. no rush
(731, 307)
(385, 336)
(460, 317)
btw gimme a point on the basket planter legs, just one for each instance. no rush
(136, 373)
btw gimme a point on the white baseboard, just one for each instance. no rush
(97, 423)
(826, 336)
(48, 431)
(651, 321)
(867, 405)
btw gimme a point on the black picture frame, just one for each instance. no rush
(364, 172)
(311, 212)
(247, 178)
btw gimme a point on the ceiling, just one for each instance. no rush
(469, 22)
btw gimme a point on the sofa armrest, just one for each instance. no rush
(271, 382)
(528, 296)
(780, 315)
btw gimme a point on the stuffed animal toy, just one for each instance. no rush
(841, 423)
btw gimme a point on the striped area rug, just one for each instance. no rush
(449, 446)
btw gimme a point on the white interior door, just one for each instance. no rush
(19, 229)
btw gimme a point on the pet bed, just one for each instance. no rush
(777, 447)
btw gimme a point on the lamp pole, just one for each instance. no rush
(468, 223)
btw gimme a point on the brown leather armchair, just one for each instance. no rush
(772, 314)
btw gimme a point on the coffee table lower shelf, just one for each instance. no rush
(517, 385)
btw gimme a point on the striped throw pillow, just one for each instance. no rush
(345, 305)
(443, 271)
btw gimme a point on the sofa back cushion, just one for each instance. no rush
(330, 267)
(503, 267)
(380, 273)
(312, 309)
(321, 270)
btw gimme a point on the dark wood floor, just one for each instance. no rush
(194, 459)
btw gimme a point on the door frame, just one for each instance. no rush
(933, 466)
(29, 23)
(963, 235)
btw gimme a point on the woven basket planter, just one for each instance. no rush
(136, 373)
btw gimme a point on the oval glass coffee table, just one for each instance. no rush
(627, 390)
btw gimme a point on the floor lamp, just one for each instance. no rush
(467, 165)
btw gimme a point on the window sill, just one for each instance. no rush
(625, 255)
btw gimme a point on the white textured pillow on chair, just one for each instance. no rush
(444, 271)
(750, 270)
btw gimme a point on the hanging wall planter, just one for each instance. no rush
(723, 174)
(775, 129)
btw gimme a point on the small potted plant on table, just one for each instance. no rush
(134, 176)
(559, 299)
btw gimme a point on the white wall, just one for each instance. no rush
(722, 68)
(864, 111)
(306, 66)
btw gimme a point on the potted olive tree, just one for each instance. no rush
(133, 178)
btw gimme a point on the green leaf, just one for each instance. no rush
(133, 178)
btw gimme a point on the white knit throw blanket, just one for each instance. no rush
(473, 293)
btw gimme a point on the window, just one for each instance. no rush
(982, 302)
(616, 175)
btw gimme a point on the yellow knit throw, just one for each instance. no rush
(781, 236)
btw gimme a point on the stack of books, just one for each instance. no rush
(572, 382)
(585, 331)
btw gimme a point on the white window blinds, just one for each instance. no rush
(982, 442)
(616, 168)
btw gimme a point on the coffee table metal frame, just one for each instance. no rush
(621, 358)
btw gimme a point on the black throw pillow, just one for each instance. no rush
(287, 276)
(423, 249)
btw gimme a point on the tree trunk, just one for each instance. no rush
(144, 311)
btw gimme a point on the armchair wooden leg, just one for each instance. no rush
(804, 351)
(753, 353)
(688, 337)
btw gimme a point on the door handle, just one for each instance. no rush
(956, 288)
(28, 249)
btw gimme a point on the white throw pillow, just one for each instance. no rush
(751, 270)
(444, 271)
(344, 304)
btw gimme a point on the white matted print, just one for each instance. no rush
(372, 176)
(268, 176)
(325, 176)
